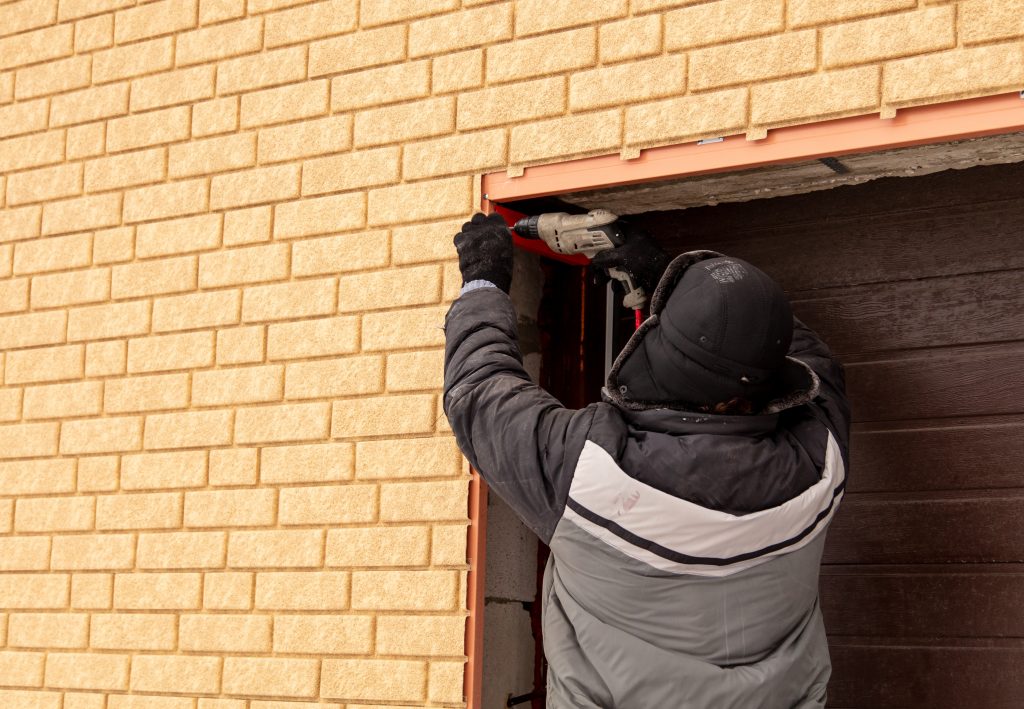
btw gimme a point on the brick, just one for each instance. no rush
(233, 704)
(334, 377)
(240, 345)
(44, 184)
(109, 434)
(18, 224)
(44, 365)
(458, 72)
(397, 124)
(420, 635)
(69, 10)
(158, 591)
(468, 28)
(156, 510)
(469, 152)
(229, 40)
(32, 699)
(84, 700)
(364, 679)
(302, 590)
(133, 631)
(404, 590)
(113, 320)
(230, 590)
(24, 117)
(188, 429)
(378, 546)
(272, 677)
(177, 674)
(376, 87)
(87, 671)
(211, 11)
(289, 300)
(285, 103)
(753, 60)
(720, 22)
(128, 170)
(277, 548)
(323, 462)
(225, 633)
(175, 199)
(887, 37)
(82, 213)
(54, 254)
(94, 33)
(446, 681)
(448, 545)
(310, 22)
(86, 141)
(34, 591)
(113, 245)
(313, 338)
(408, 458)
(24, 554)
(323, 634)
(239, 266)
(230, 508)
(122, 701)
(689, 118)
(829, 94)
(337, 254)
(92, 104)
(93, 552)
(173, 87)
(634, 38)
(206, 309)
(14, 295)
(265, 184)
(318, 216)
(416, 285)
(382, 12)
(10, 404)
(550, 54)
(21, 669)
(966, 72)
(58, 514)
(154, 19)
(216, 116)
(987, 21)
(52, 77)
(566, 136)
(420, 201)
(247, 226)
(36, 477)
(408, 502)
(152, 128)
(634, 82)
(63, 400)
(234, 466)
(29, 151)
(146, 393)
(305, 139)
(803, 13)
(156, 277)
(357, 50)
(97, 474)
(287, 422)
(413, 371)
(180, 236)
(38, 46)
(124, 62)
(536, 16)
(182, 550)
(48, 630)
(7, 87)
(343, 504)
(399, 329)
(21, 16)
(91, 591)
(273, 68)
(383, 415)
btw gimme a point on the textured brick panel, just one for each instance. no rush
(205, 157)
(303, 590)
(811, 12)
(375, 87)
(419, 201)
(91, 591)
(162, 391)
(468, 28)
(178, 674)
(354, 51)
(157, 591)
(753, 60)
(230, 508)
(404, 590)
(985, 21)
(718, 22)
(337, 377)
(58, 514)
(313, 338)
(162, 201)
(34, 477)
(323, 462)
(154, 18)
(22, 669)
(378, 546)
(24, 553)
(286, 103)
(426, 501)
(321, 505)
(188, 429)
(273, 677)
(173, 87)
(225, 633)
(240, 345)
(230, 590)
(337, 254)
(280, 66)
(124, 62)
(887, 37)
(634, 82)
(704, 116)
(182, 550)
(364, 168)
(46, 364)
(380, 12)
(310, 22)
(305, 139)
(458, 72)
(87, 671)
(408, 457)
(37, 46)
(396, 124)
(222, 387)
(54, 77)
(280, 549)
(179, 236)
(46, 184)
(133, 631)
(224, 41)
(22, 591)
(403, 329)
(105, 435)
(630, 39)
(155, 510)
(446, 681)
(951, 74)
(593, 132)
(537, 56)
(420, 635)
(396, 680)
(323, 634)
(383, 415)
(266, 184)
(821, 95)
(62, 400)
(128, 170)
(234, 466)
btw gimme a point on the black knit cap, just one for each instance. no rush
(720, 328)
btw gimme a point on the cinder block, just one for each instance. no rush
(110, 434)
(340, 504)
(692, 117)
(383, 415)
(457, 72)
(247, 226)
(631, 83)
(182, 550)
(86, 141)
(222, 41)
(271, 677)
(394, 680)
(48, 630)
(158, 591)
(47, 183)
(986, 21)
(967, 72)
(468, 152)
(229, 590)
(93, 552)
(238, 385)
(234, 466)
(285, 103)
(468, 28)
(420, 201)
(126, 61)
(155, 277)
(414, 371)
(424, 501)
(378, 546)
(335, 377)
(28, 439)
(402, 329)
(425, 635)
(417, 285)
(31, 151)
(53, 77)
(408, 458)
(803, 13)
(45, 364)
(721, 22)
(205, 157)
(404, 122)
(321, 462)
(62, 400)
(225, 633)
(302, 590)
(313, 338)
(306, 138)
(828, 94)
(151, 128)
(382, 12)
(204, 309)
(324, 634)
(446, 681)
(888, 37)
(188, 429)
(585, 133)
(179, 236)
(129, 170)
(155, 471)
(634, 38)
(154, 510)
(112, 320)
(230, 508)
(189, 674)
(240, 345)
(133, 631)
(35, 477)
(754, 60)
(357, 50)
(273, 68)
(53, 254)
(113, 245)
(289, 300)
(424, 242)
(91, 591)
(276, 549)
(448, 545)
(175, 199)
(54, 514)
(265, 184)
(537, 56)
(38, 46)
(310, 22)
(219, 115)
(405, 590)
(154, 19)
(98, 473)
(18, 591)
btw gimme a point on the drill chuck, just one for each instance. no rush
(527, 227)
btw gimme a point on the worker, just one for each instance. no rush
(686, 512)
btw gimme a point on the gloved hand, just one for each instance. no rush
(485, 250)
(640, 257)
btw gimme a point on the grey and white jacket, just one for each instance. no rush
(685, 547)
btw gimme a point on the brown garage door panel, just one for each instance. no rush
(980, 530)
(926, 678)
(953, 604)
(937, 458)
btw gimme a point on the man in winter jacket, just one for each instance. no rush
(685, 544)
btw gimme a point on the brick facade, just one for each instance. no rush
(225, 253)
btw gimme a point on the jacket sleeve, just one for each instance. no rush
(831, 399)
(520, 439)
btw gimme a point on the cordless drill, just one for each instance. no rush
(588, 234)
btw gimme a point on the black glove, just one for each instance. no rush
(485, 250)
(640, 257)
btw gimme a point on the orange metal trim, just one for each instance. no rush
(957, 120)
(475, 553)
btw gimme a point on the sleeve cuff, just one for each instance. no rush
(473, 285)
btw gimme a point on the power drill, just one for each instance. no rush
(588, 234)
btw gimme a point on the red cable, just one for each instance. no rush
(639, 317)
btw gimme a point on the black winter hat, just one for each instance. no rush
(719, 328)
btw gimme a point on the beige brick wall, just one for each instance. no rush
(225, 251)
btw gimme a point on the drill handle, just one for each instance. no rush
(635, 297)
